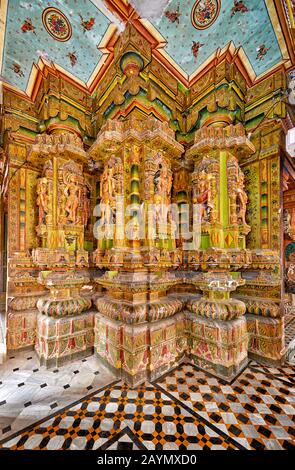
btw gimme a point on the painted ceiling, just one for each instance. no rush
(69, 32)
(24, 44)
(250, 29)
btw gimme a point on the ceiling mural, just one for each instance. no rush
(195, 29)
(68, 33)
(65, 32)
(205, 13)
(56, 24)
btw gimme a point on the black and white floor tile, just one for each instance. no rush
(257, 409)
(29, 392)
(118, 416)
(184, 410)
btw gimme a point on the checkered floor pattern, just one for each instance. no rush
(185, 410)
(30, 392)
(285, 374)
(119, 417)
(257, 409)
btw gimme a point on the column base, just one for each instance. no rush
(266, 361)
(228, 374)
(142, 376)
(63, 340)
(21, 330)
(218, 347)
(137, 353)
(266, 339)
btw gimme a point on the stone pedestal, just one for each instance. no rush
(61, 340)
(140, 352)
(217, 328)
(24, 292)
(217, 346)
(64, 298)
(64, 332)
(266, 339)
(21, 329)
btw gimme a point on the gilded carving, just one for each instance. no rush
(152, 138)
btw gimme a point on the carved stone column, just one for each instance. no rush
(139, 328)
(63, 331)
(217, 326)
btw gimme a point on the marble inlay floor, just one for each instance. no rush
(185, 409)
(29, 392)
(257, 409)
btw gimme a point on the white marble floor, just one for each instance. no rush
(29, 392)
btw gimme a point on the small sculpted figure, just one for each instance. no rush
(42, 200)
(73, 192)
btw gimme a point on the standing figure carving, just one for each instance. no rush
(105, 197)
(73, 192)
(204, 181)
(111, 185)
(62, 202)
(162, 181)
(85, 207)
(104, 186)
(42, 200)
(242, 200)
(162, 185)
(159, 181)
(202, 196)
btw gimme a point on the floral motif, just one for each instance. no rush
(239, 6)
(28, 26)
(204, 13)
(173, 16)
(262, 51)
(87, 25)
(57, 24)
(73, 58)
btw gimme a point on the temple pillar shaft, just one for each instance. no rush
(139, 327)
(224, 215)
(217, 328)
(64, 323)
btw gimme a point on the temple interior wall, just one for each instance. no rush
(221, 98)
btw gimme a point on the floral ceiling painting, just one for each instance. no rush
(56, 31)
(68, 33)
(212, 24)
